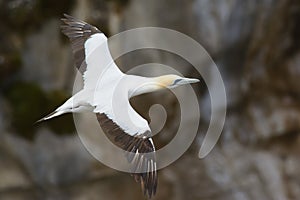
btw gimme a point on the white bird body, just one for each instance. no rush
(107, 91)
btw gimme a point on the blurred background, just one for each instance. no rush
(256, 45)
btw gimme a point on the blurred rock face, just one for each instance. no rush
(256, 47)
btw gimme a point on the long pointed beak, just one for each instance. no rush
(189, 80)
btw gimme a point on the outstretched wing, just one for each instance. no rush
(94, 61)
(142, 152)
(90, 49)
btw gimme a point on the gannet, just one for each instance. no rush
(104, 82)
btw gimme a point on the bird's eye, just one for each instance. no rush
(176, 81)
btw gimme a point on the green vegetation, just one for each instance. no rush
(30, 103)
(25, 16)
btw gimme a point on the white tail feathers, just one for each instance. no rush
(51, 115)
(69, 107)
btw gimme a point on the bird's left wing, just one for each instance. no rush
(90, 49)
(142, 152)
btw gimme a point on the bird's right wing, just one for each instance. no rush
(90, 49)
(141, 153)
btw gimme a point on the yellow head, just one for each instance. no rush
(172, 81)
(145, 85)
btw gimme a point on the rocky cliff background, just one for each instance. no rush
(256, 45)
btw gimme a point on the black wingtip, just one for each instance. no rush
(144, 168)
(148, 185)
(67, 16)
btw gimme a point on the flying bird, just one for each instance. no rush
(106, 92)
